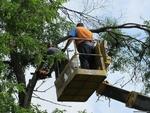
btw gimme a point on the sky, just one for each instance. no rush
(124, 10)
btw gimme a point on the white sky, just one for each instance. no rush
(129, 11)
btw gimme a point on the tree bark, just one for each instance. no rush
(26, 95)
(19, 72)
(29, 90)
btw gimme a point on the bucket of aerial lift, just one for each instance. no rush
(76, 84)
(79, 84)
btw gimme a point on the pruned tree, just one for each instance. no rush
(25, 27)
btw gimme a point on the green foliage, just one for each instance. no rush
(2, 67)
(26, 27)
(64, 111)
(57, 56)
(84, 111)
(4, 48)
(56, 29)
(147, 82)
(115, 41)
(116, 46)
(59, 111)
(146, 55)
(127, 52)
(8, 103)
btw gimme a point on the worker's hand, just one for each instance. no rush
(63, 50)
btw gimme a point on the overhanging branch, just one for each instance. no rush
(123, 26)
(109, 28)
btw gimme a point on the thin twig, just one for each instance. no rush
(45, 89)
(80, 13)
(40, 85)
(127, 81)
(117, 81)
(130, 38)
(38, 97)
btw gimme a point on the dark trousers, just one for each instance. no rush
(87, 61)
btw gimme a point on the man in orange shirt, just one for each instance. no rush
(85, 45)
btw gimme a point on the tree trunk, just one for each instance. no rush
(19, 72)
(26, 95)
(29, 90)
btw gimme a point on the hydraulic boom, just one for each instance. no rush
(131, 99)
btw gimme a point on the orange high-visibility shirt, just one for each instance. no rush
(84, 33)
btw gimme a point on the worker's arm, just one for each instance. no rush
(72, 33)
(68, 43)
(61, 40)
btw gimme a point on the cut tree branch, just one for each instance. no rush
(109, 28)
(123, 26)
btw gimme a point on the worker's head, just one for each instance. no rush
(80, 25)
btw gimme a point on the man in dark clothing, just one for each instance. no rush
(86, 59)
(57, 66)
